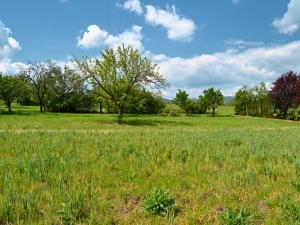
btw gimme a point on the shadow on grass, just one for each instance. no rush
(19, 113)
(147, 122)
(209, 115)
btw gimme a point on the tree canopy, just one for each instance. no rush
(285, 92)
(119, 73)
(9, 89)
(214, 98)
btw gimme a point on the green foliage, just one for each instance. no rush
(253, 101)
(10, 87)
(213, 98)
(296, 185)
(145, 102)
(182, 100)
(242, 101)
(68, 92)
(293, 113)
(159, 202)
(74, 211)
(172, 110)
(119, 74)
(292, 212)
(203, 104)
(236, 217)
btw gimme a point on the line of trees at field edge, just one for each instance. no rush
(119, 82)
(281, 101)
(123, 81)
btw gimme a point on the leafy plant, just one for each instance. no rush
(74, 211)
(292, 212)
(172, 110)
(236, 217)
(296, 185)
(159, 202)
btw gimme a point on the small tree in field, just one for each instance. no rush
(9, 89)
(38, 75)
(242, 100)
(214, 98)
(119, 74)
(182, 100)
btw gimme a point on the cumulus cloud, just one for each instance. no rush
(229, 70)
(133, 6)
(8, 47)
(178, 27)
(290, 21)
(95, 37)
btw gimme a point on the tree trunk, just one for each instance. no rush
(41, 107)
(247, 112)
(213, 112)
(120, 115)
(9, 107)
(101, 107)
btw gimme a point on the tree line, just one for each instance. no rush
(123, 81)
(120, 81)
(282, 100)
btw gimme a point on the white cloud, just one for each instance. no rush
(290, 21)
(8, 47)
(95, 37)
(133, 6)
(178, 28)
(243, 44)
(229, 70)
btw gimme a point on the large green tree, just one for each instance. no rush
(182, 100)
(68, 91)
(214, 98)
(119, 73)
(242, 100)
(9, 89)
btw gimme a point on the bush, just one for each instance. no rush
(293, 113)
(74, 211)
(159, 202)
(236, 217)
(172, 110)
(292, 212)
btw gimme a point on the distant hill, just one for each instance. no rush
(228, 100)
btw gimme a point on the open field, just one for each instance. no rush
(86, 169)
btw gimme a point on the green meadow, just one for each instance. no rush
(87, 169)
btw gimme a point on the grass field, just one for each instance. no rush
(86, 169)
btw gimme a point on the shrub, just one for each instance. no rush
(293, 113)
(172, 110)
(292, 212)
(74, 211)
(159, 202)
(236, 217)
(296, 185)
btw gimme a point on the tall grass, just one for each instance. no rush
(85, 169)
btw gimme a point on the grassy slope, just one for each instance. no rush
(208, 164)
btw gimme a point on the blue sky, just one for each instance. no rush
(197, 43)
